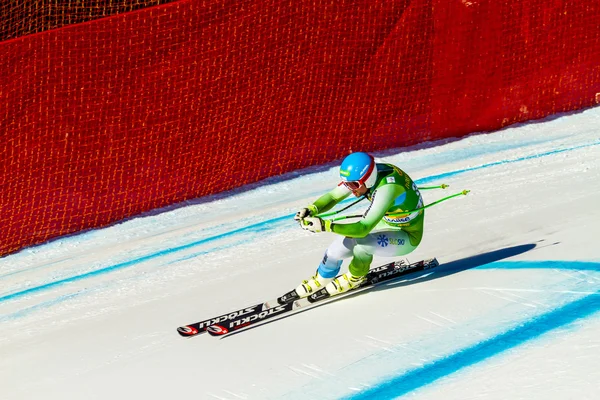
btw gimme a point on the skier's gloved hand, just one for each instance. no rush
(312, 224)
(305, 212)
(315, 224)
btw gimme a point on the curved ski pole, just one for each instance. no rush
(463, 193)
(442, 186)
(341, 209)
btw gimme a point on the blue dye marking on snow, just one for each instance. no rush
(564, 265)
(258, 227)
(417, 378)
(252, 228)
(444, 157)
(26, 311)
(531, 157)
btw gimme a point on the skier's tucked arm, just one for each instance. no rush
(382, 200)
(329, 200)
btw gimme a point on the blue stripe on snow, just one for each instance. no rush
(531, 157)
(419, 377)
(251, 228)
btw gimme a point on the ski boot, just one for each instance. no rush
(313, 284)
(343, 283)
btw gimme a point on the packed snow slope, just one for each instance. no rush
(511, 313)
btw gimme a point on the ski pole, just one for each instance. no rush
(442, 186)
(463, 193)
(341, 209)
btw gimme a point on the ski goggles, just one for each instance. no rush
(353, 185)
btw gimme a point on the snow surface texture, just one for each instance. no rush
(512, 312)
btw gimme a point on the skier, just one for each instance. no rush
(385, 229)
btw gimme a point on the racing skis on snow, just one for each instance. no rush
(275, 309)
(200, 327)
(290, 302)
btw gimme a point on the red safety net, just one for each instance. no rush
(106, 119)
(24, 17)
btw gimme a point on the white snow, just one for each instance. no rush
(512, 312)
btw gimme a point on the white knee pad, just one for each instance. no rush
(340, 249)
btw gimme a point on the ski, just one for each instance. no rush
(284, 299)
(262, 314)
(200, 327)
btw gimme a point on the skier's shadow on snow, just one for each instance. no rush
(463, 264)
(444, 269)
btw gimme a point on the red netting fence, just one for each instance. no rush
(106, 119)
(24, 17)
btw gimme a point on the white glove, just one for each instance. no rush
(303, 213)
(312, 224)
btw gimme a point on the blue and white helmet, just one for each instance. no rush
(358, 169)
